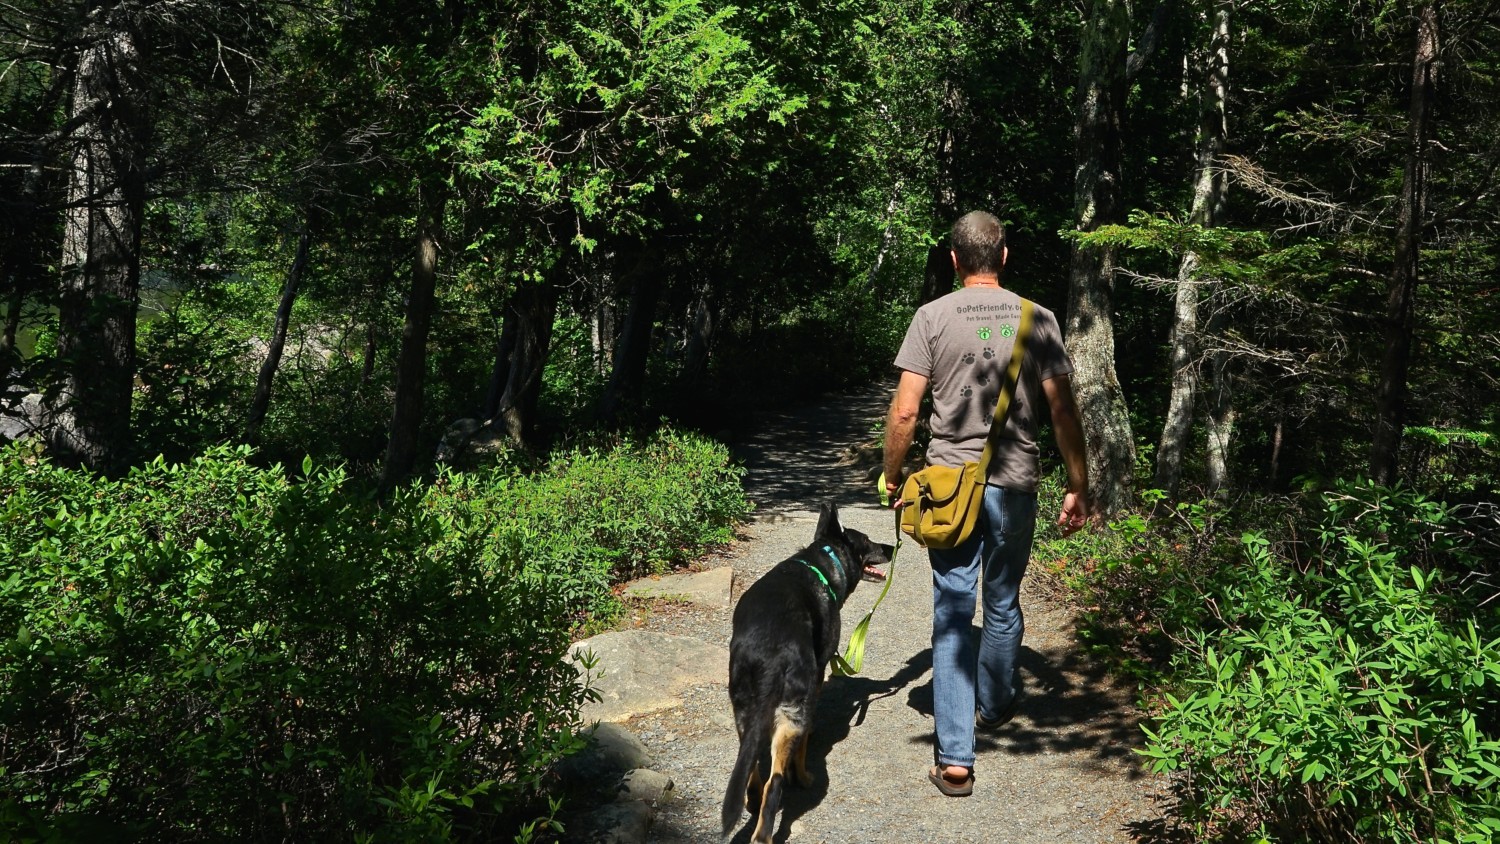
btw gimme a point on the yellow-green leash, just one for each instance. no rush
(854, 655)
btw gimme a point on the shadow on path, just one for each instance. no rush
(795, 457)
(841, 709)
(1068, 705)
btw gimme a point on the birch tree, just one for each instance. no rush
(1208, 79)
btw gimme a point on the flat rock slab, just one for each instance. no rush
(639, 672)
(710, 588)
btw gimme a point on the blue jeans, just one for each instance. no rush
(961, 677)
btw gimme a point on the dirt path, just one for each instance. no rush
(1062, 771)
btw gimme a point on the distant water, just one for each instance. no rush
(156, 299)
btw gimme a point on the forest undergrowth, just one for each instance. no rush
(1323, 666)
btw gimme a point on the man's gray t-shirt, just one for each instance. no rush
(961, 343)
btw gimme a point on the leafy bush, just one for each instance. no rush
(209, 651)
(595, 518)
(1140, 578)
(212, 651)
(1351, 696)
(195, 383)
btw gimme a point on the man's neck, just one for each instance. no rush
(982, 280)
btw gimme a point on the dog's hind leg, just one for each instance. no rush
(784, 743)
(804, 778)
(752, 792)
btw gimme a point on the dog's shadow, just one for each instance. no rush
(843, 705)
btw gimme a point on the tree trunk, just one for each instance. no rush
(1091, 342)
(628, 376)
(101, 270)
(1390, 395)
(937, 275)
(1178, 426)
(703, 323)
(1276, 437)
(1221, 418)
(13, 305)
(887, 236)
(602, 334)
(1210, 83)
(535, 307)
(505, 346)
(262, 398)
(411, 362)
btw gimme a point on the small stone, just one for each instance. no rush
(644, 784)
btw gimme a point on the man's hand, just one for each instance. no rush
(887, 491)
(1068, 429)
(1075, 513)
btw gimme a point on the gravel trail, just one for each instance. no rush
(1062, 771)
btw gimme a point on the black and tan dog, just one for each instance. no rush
(786, 629)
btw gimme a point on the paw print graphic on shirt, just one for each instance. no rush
(966, 392)
(968, 358)
(989, 418)
(982, 379)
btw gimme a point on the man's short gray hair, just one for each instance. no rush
(978, 239)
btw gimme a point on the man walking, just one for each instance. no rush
(960, 344)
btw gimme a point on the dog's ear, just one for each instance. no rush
(828, 521)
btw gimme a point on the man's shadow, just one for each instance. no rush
(843, 705)
(1066, 705)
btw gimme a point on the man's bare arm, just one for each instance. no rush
(901, 426)
(1068, 428)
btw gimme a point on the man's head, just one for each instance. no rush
(978, 242)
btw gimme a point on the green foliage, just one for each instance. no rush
(1455, 460)
(195, 382)
(574, 376)
(594, 518)
(212, 651)
(1351, 698)
(1137, 577)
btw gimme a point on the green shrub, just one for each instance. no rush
(194, 383)
(1349, 696)
(210, 651)
(596, 518)
(1139, 578)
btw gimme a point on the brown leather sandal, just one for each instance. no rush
(960, 788)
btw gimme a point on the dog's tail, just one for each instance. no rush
(752, 739)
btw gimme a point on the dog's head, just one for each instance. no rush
(859, 554)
